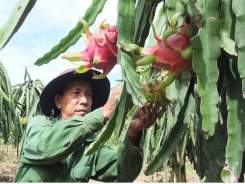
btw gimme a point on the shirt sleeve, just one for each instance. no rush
(48, 143)
(129, 161)
(123, 166)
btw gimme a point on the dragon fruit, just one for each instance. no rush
(158, 97)
(172, 53)
(100, 53)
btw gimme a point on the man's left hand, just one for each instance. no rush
(142, 119)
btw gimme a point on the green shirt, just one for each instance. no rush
(53, 152)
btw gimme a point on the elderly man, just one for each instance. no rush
(75, 107)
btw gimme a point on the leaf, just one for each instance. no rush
(125, 20)
(8, 85)
(235, 120)
(126, 27)
(122, 112)
(16, 19)
(206, 50)
(147, 142)
(214, 151)
(191, 9)
(238, 8)
(172, 91)
(226, 42)
(140, 9)
(9, 119)
(142, 23)
(131, 78)
(3, 95)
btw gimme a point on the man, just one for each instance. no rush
(76, 106)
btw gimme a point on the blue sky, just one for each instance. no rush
(47, 23)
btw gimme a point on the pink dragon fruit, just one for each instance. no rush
(100, 53)
(172, 53)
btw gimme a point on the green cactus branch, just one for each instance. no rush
(205, 122)
(15, 21)
(206, 50)
(74, 35)
(238, 8)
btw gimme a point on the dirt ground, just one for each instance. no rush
(9, 162)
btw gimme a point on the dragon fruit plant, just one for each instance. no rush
(101, 50)
(173, 52)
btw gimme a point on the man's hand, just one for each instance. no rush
(110, 105)
(142, 119)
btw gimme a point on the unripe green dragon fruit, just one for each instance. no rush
(172, 53)
(158, 97)
(101, 50)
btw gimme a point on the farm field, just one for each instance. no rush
(9, 163)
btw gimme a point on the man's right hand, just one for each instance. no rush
(110, 105)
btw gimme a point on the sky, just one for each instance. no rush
(48, 22)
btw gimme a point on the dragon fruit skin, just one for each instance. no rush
(172, 53)
(100, 53)
(83, 58)
(168, 55)
(105, 56)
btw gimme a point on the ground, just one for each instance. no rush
(9, 162)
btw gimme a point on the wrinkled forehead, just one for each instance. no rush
(77, 82)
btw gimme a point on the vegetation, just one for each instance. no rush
(18, 104)
(204, 118)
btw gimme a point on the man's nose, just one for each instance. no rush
(83, 99)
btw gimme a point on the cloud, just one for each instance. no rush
(47, 23)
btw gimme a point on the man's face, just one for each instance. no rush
(76, 99)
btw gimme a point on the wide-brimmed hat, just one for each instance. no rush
(100, 90)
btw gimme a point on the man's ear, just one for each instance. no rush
(57, 100)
